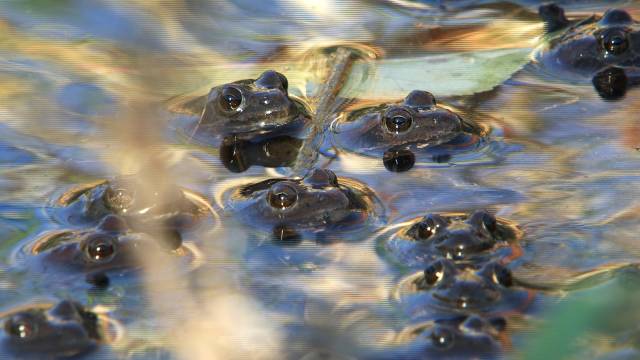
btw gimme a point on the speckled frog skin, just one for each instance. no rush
(319, 201)
(64, 330)
(416, 122)
(590, 45)
(125, 196)
(253, 107)
(108, 247)
(463, 237)
(466, 287)
(450, 337)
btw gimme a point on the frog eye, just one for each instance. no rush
(272, 80)
(230, 98)
(614, 41)
(321, 178)
(118, 199)
(433, 273)
(442, 338)
(428, 227)
(489, 222)
(100, 247)
(502, 275)
(21, 326)
(282, 195)
(420, 99)
(616, 16)
(397, 120)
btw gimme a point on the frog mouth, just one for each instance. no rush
(472, 301)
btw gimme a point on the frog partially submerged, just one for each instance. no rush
(110, 247)
(605, 49)
(64, 330)
(456, 236)
(318, 202)
(446, 285)
(250, 108)
(451, 337)
(127, 197)
(416, 123)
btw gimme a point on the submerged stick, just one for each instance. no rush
(326, 105)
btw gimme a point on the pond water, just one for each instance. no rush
(108, 89)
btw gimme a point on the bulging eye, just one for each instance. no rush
(397, 120)
(119, 199)
(442, 338)
(21, 326)
(615, 41)
(502, 275)
(433, 273)
(230, 98)
(100, 247)
(428, 227)
(489, 222)
(282, 195)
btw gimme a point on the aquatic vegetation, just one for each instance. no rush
(278, 179)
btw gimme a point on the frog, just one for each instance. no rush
(417, 123)
(463, 237)
(467, 287)
(604, 49)
(450, 337)
(110, 247)
(318, 203)
(126, 196)
(238, 155)
(248, 108)
(61, 330)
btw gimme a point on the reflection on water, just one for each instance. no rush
(95, 91)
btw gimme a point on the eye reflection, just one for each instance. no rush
(398, 160)
(611, 83)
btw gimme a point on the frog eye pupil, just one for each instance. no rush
(282, 196)
(20, 327)
(101, 249)
(503, 276)
(230, 99)
(615, 43)
(442, 338)
(398, 121)
(433, 273)
(427, 229)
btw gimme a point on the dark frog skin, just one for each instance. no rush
(253, 107)
(127, 197)
(110, 247)
(478, 236)
(451, 337)
(64, 330)
(416, 123)
(605, 49)
(463, 287)
(319, 201)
